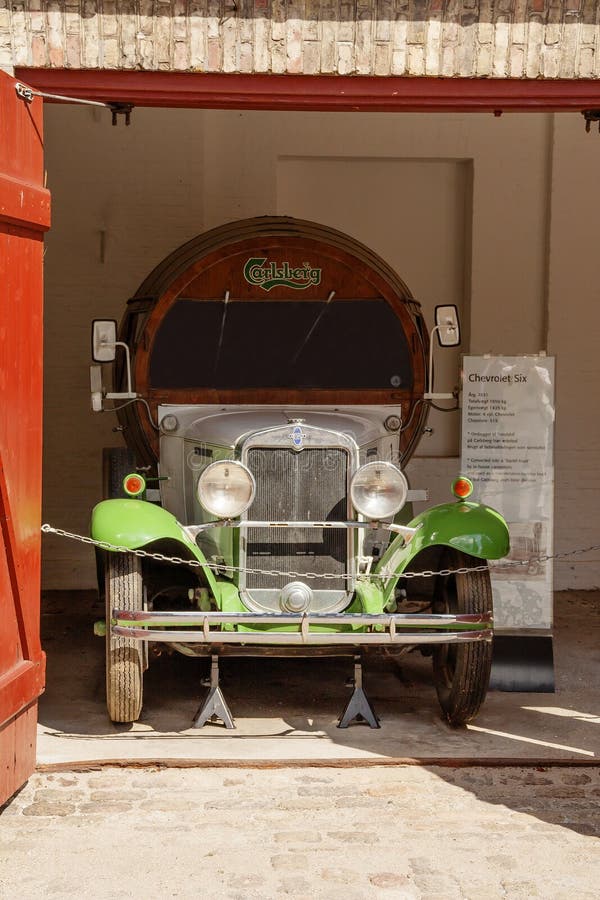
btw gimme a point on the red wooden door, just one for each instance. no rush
(24, 216)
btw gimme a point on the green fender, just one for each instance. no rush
(370, 598)
(136, 523)
(473, 528)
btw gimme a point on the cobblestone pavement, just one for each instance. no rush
(383, 832)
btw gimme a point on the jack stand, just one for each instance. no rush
(215, 705)
(358, 706)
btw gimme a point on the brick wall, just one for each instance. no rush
(491, 38)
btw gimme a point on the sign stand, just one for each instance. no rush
(507, 450)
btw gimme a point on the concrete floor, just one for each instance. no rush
(286, 710)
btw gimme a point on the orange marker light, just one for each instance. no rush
(462, 487)
(134, 485)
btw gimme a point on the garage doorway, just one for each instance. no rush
(105, 257)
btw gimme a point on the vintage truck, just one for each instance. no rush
(272, 378)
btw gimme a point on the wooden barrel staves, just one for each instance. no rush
(278, 311)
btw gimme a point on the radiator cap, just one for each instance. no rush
(296, 597)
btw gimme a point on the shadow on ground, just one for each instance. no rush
(286, 711)
(301, 699)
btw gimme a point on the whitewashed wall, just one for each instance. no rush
(574, 337)
(468, 208)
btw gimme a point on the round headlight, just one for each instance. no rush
(378, 490)
(226, 488)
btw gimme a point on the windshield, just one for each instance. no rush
(343, 344)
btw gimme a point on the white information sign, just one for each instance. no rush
(507, 451)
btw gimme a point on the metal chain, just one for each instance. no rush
(222, 567)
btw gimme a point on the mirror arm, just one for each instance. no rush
(129, 394)
(430, 395)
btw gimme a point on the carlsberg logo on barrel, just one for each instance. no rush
(272, 274)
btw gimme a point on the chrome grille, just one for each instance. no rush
(298, 486)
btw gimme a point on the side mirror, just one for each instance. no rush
(104, 350)
(447, 326)
(104, 340)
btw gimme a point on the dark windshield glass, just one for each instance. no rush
(346, 344)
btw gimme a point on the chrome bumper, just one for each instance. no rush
(396, 628)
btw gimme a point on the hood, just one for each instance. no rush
(226, 426)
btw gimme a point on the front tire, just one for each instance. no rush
(124, 657)
(462, 671)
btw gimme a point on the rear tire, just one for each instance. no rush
(124, 656)
(462, 671)
(117, 462)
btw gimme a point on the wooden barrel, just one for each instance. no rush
(278, 311)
